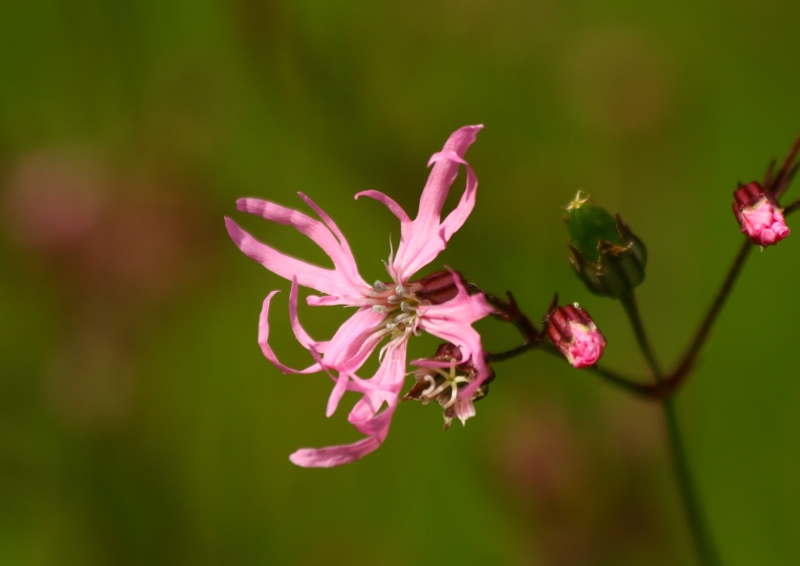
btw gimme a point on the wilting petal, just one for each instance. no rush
(328, 281)
(263, 338)
(465, 409)
(425, 237)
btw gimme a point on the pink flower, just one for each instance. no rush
(575, 334)
(438, 304)
(759, 215)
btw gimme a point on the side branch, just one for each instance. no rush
(533, 338)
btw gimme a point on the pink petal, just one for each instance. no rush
(386, 385)
(452, 321)
(427, 236)
(338, 251)
(363, 417)
(330, 300)
(263, 337)
(327, 281)
(335, 455)
(336, 394)
(354, 341)
(395, 208)
(345, 247)
(460, 213)
(299, 332)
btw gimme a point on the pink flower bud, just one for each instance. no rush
(759, 215)
(574, 332)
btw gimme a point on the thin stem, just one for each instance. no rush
(509, 312)
(700, 534)
(687, 362)
(704, 545)
(791, 208)
(513, 353)
(632, 310)
(640, 389)
(782, 179)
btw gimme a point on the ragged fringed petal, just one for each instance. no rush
(329, 281)
(263, 341)
(300, 332)
(426, 236)
(327, 236)
(394, 208)
(364, 418)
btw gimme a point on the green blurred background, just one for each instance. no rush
(139, 422)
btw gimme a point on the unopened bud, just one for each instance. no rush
(759, 215)
(575, 334)
(606, 254)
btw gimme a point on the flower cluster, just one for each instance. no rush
(390, 311)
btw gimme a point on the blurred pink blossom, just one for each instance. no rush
(439, 304)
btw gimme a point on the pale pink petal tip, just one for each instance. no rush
(334, 455)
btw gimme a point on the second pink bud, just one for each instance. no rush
(575, 334)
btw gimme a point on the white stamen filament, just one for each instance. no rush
(453, 395)
(431, 387)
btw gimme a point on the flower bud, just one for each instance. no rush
(606, 255)
(759, 215)
(439, 379)
(575, 334)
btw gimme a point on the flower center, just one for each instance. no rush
(439, 381)
(400, 304)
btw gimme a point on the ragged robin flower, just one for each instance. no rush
(390, 311)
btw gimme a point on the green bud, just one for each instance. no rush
(606, 255)
(589, 224)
